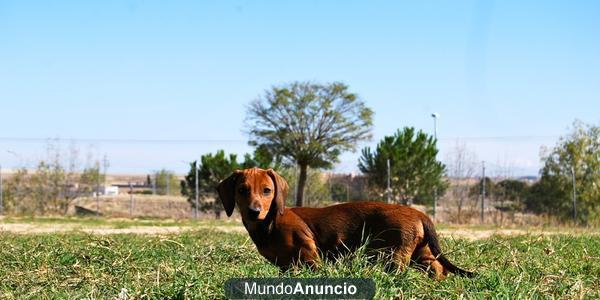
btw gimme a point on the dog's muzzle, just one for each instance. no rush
(253, 212)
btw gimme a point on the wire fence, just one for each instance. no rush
(137, 195)
(463, 202)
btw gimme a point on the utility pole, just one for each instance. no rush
(389, 188)
(168, 184)
(482, 188)
(98, 189)
(154, 184)
(1, 200)
(435, 116)
(196, 194)
(574, 195)
(19, 206)
(105, 165)
(130, 199)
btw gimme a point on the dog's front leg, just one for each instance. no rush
(304, 257)
(309, 254)
(305, 254)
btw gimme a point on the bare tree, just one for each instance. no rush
(462, 166)
(55, 184)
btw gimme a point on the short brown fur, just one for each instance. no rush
(286, 236)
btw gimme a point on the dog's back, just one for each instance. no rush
(348, 225)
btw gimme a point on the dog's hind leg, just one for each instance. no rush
(403, 254)
(426, 261)
(401, 259)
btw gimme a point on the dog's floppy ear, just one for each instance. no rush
(226, 191)
(281, 190)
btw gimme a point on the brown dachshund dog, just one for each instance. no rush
(286, 236)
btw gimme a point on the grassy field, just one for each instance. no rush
(195, 263)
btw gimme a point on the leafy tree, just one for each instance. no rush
(511, 195)
(511, 190)
(476, 189)
(214, 168)
(415, 172)
(163, 178)
(309, 124)
(89, 180)
(263, 158)
(52, 188)
(340, 191)
(211, 170)
(579, 152)
(16, 190)
(346, 187)
(543, 195)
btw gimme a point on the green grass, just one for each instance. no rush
(195, 264)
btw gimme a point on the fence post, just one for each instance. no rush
(98, 191)
(482, 189)
(130, 199)
(196, 194)
(168, 184)
(574, 195)
(154, 184)
(1, 195)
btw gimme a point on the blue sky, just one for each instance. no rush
(506, 77)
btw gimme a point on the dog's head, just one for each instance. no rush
(256, 191)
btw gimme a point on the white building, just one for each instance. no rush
(108, 190)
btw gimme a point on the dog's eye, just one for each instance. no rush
(242, 191)
(267, 191)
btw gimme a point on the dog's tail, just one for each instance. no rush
(432, 240)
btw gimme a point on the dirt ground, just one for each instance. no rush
(460, 232)
(25, 228)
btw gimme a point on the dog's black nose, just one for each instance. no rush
(253, 213)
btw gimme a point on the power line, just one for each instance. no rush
(235, 141)
(122, 141)
(515, 137)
